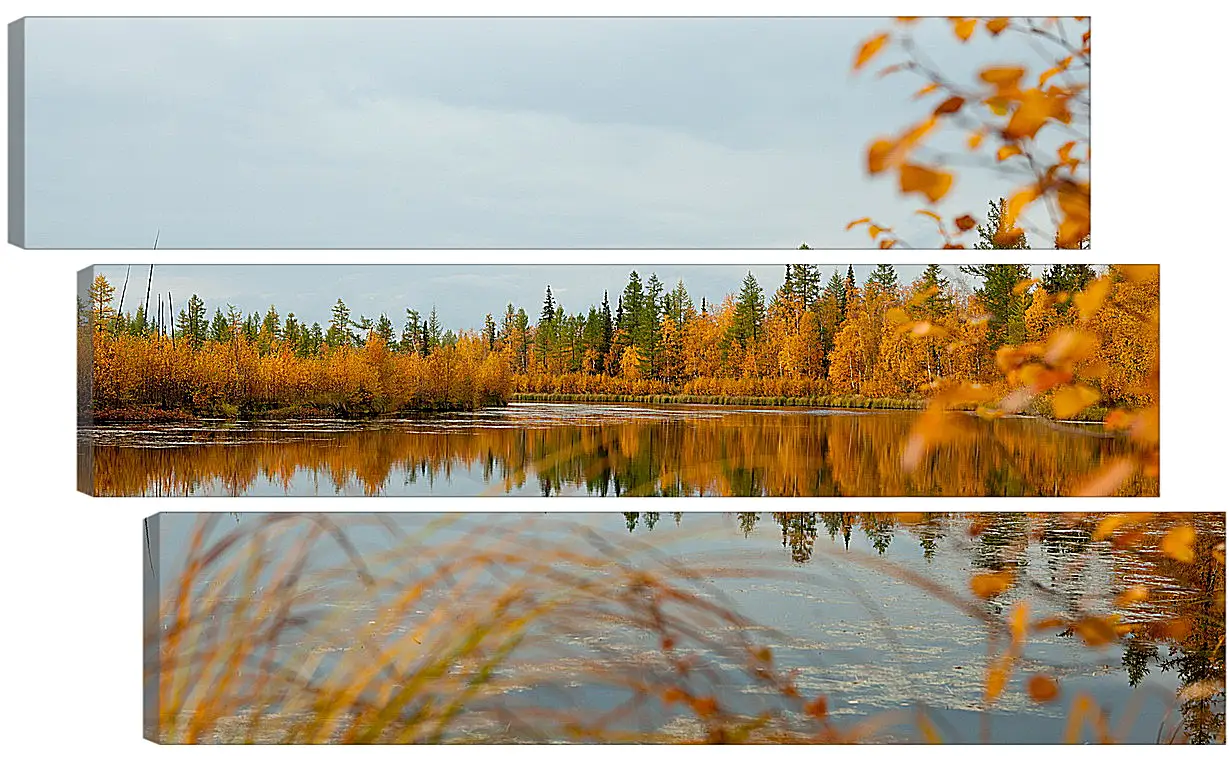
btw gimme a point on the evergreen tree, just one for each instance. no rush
(940, 302)
(339, 329)
(292, 332)
(989, 233)
(836, 290)
(607, 326)
(385, 331)
(193, 327)
(434, 329)
(748, 312)
(411, 333)
(998, 293)
(490, 332)
(883, 280)
(219, 329)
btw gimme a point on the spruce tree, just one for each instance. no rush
(989, 233)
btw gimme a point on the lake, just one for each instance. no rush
(553, 449)
(852, 604)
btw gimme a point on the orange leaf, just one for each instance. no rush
(927, 181)
(1006, 151)
(974, 140)
(997, 675)
(988, 585)
(1095, 631)
(1036, 108)
(1131, 596)
(965, 223)
(856, 222)
(930, 88)
(1042, 689)
(885, 244)
(950, 105)
(1061, 67)
(869, 49)
(1179, 543)
(1004, 79)
(931, 214)
(1092, 297)
(995, 26)
(1069, 401)
(964, 28)
(877, 155)
(874, 231)
(1109, 524)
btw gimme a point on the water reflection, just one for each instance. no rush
(594, 450)
(875, 642)
(1179, 628)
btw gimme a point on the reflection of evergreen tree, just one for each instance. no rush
(879, 530)
(650, 519)
(747, 521)
(798, 531)
(1136, 655)
(929, 533)
(1004, 533)
(632, 519)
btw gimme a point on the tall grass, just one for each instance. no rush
(280, 630)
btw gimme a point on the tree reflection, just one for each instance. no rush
(717, 453)
(1180, 626)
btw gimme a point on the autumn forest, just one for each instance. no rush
(819, 339)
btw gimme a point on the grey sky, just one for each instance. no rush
(462, 293)
(509, 133)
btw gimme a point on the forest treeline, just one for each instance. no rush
(813, 338)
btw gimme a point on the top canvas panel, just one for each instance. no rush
(549, 132)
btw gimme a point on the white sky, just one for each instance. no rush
(462, 293)
(508, 133)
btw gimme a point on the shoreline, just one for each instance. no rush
(157, 415)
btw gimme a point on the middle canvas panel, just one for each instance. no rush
(619, 380)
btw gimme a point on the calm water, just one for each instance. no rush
(595, 450)
(862, 635)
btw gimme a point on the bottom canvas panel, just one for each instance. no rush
(794, 627)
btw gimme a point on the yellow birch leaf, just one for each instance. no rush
(964, 28)
(988, 585)
(1092, 297)
(1109, 524)
(996, 26)
(869, 49)
(1131, 596)
(1042, 689)
(1006, 151)
(932, 183)
(1070, 400)
(1179, 543)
